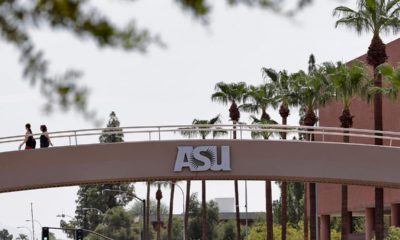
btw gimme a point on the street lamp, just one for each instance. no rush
(62, 215)
(137, 198)
(23, 227)
(36, 221)
(91, 209)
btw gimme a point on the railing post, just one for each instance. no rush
(149, 136)
(76, 139)
(241, 138)
(69, 138)
(159, 133)
(323, 135)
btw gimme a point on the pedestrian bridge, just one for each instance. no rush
(159, 153)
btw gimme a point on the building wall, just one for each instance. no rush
(329, 195)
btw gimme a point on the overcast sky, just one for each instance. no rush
(165, 86)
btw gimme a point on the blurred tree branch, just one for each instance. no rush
(80, 17)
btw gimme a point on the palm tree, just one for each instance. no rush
(348, 82)
(147, 233)
(171, 209)
(159, 196)
(233, 93)
(260, 98)
(187, 202)
(314, 90)
(202, 128)
(374, 16)
(285, 95)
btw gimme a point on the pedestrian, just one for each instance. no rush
(29, 140)
(44, 138)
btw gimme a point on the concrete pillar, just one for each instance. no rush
(325, 227)
(369, 223)
(395, 215)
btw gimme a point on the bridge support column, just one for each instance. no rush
(395, 215)
(325, 227)
(369, 223)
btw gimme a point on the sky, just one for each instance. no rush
(165, 86)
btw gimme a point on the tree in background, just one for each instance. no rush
(85, 21)
(314, 91)
(197, 128)
(195, 229)
(295, 202)
(118, 225)
(284, 93)
(5, 235)
(376, 17)
(94, 196)
(348, 83)
(232, 93)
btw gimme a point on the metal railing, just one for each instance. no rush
(244, 132)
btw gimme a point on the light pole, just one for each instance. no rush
(62, 215)
(23, 227)
(95, 209)
(137, 198)
(36, 221)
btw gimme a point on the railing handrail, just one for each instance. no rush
(325, 131)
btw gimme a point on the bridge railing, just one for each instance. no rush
(176, 132)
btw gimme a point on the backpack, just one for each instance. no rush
(31, 142)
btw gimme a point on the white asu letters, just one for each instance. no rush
(203, 158)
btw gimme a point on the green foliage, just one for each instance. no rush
(81, 18)
(113, 125)
(391, 76)
(5, 235)
(97, 196)
(137, 209)
(204, 131)
(295, 202)
(117, 224)
(25, 237)
(227, 230)
(313, 88)
(374, 16)
(195, 218)
(393, 234)
(177, 229)
(349, 82)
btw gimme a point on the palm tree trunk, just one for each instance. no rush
(171, 210)
(284, 112)
(268, 196)
(379, 205)
(147, 236)
(376, 55)
(313, 212)
(158, 197)
(237, 210)
(346, 120)
(305, 212)
(284, 209)
(204, 222)
(187, 210)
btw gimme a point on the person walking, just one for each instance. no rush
(44, 137)
(29, 140)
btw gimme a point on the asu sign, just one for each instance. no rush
(203, 158)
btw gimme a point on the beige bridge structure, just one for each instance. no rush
(154, 159)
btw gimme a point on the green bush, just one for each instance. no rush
(393, 234)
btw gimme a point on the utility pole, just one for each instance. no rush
(33, 224)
